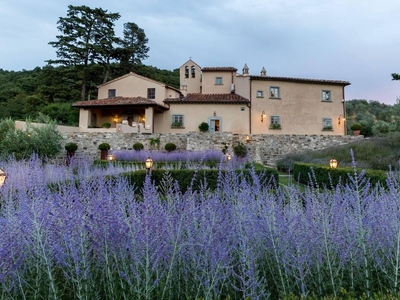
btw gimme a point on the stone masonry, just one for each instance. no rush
(263, 148)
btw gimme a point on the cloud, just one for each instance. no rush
(345, 40)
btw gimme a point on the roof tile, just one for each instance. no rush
(228, 98)
(218, 69)
(115, 101)
(300, 80)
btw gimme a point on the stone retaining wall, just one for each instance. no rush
(265, 148)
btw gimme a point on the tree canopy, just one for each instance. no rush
(88, 43)
(395, 76)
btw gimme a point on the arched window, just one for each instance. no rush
(186, 72)
(193, 72)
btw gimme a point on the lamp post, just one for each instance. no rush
(3, 177)
(148, 163)
(333, 163)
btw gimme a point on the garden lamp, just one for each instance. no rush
(3, 177)
(228, 157)
(110, 157)
(333, 163)
(148, 163)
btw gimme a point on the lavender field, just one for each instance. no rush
(100, 240)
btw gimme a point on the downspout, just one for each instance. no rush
(344, 112)
(249, 106)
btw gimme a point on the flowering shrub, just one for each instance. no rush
(101, 240)
(175, 156)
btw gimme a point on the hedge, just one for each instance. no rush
(324, 175)
(184, 177)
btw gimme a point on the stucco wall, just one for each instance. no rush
(233, 117)
(266, 148)
(299, 106)
(209, 86)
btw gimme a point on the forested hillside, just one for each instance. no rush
(51, 90)
(376, 119)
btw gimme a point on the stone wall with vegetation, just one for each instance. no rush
(266, 148)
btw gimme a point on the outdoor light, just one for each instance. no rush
(215, 113)
(148, 163)
(110, 157)
(247, 139)
(333, 163)
(3, 177)
(228, 157)
(262, 116)
(341, 118)
(115, 119)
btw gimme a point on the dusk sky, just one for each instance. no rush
(352, 40)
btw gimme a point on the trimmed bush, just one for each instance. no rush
(138, 146)
(203, 127)
(170, 147)
(106, 125)
(326, 176)
(356, 126)
(71, 147)
(185, 177)
(104, 146)
(240, 150)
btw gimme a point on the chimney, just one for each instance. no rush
(245, 71)
(263, 72)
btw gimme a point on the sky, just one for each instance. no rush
(351, 40)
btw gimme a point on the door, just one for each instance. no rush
(215, 125)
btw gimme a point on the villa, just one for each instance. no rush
(226, 100)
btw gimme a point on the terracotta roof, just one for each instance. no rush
(219, 69)
(138, 76)
(118, 101)
(230, 98)
(300, 80)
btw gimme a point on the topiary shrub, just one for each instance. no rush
(170, 147)
(71, 147)
(106, 125)
(203, 127)
(138, 146)
(104, 146)
(356, 126)
(240, 150)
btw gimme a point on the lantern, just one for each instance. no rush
(148, 163)
(333, 163)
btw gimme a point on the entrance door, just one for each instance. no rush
(215, 124)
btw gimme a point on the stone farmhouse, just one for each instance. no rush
(226, 100)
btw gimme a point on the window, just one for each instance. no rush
(326, 95)
(186, 72)
(218, 80)
(193, 72)
(242, 108)
(274, 92)
(275, 122)
(327, 124)
(260, 94)
(112, 93)
(151, 93)
(177, 121)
